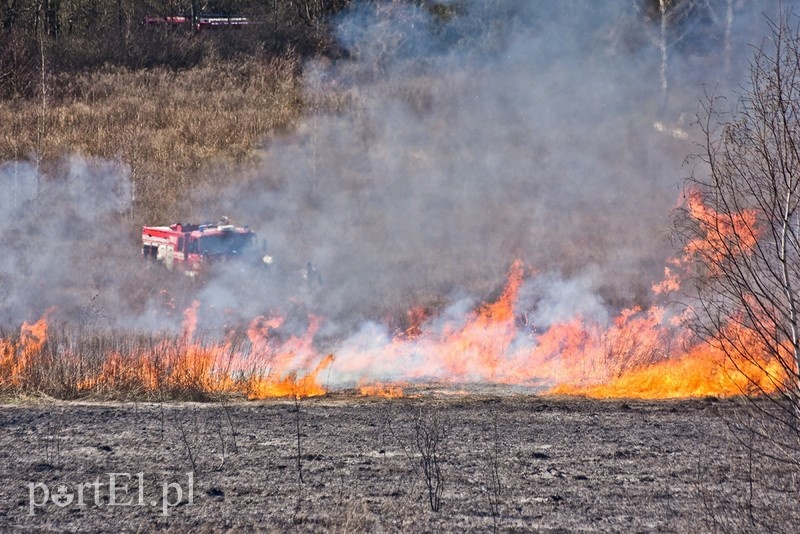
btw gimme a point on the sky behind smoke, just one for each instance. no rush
(539, 131)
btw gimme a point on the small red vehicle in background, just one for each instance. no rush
(199, 23)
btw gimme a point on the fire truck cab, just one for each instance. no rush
(188, 246)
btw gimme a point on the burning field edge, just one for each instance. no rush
(641, 353)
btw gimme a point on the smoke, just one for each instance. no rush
(549, 299)
(64, 243)
(471, 134)
(477, 133)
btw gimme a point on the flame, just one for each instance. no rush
(416, 318)
(387, 391)
(290, 385)
(267, 367)
(18, 356)
(703, 371)
(735, 363)
(640, 353)
(721, 236)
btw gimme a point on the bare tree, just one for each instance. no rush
(741, 224)
(687, 23)
(741, 230)
(494, 484)
(430, 431)
(311, 11)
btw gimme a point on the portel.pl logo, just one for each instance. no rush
(118, 489)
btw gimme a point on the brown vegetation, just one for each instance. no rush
(164, 125)
(93, 80)
(71, 363)
(180, 111)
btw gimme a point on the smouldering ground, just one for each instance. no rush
(563, 464)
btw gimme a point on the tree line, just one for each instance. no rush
(70, 36)
(70, 17)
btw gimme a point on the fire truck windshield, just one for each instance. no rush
(225, 243)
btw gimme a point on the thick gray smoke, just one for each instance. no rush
(483, 132)
(61, 240)
(471, 134)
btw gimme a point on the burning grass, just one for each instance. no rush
(646, 354)
(68, 364)
(641, 353)
(386, 391)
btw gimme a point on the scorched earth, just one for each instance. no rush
(497, 461)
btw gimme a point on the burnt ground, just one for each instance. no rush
(563, 464)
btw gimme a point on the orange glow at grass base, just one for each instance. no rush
(290, 385)
(647, 354)
(386, 391)
(701, 373)
(171, 367)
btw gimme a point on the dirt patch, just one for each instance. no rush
(515, 463)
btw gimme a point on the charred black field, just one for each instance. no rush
(344, 463)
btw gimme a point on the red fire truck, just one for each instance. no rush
(188, 246)
(199, 23)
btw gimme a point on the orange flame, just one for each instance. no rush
(721, 236)
(641, 353)
(290, 385)
(387, 391)
(18, 357)
(268, 367)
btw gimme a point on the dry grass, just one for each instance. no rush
(71, 363)
(165, 126)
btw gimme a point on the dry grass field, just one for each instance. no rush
(167, 127)
(342, 463)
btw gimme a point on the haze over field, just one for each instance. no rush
(552, 133)
(529, 131)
